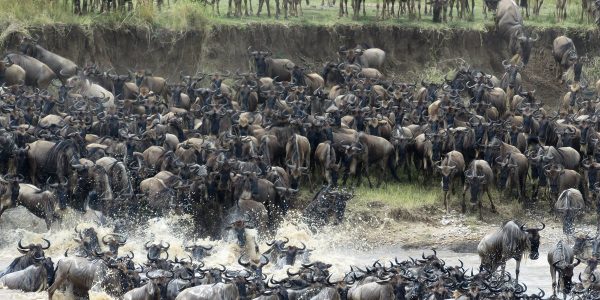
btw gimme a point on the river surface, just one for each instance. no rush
(330, 245)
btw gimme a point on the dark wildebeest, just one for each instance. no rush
(28, 258)
(565, 54)
(37, 74)
(570, 204)
(510, 242)
(560, 259)
(509, 23)
(34, 278)
(199, 252)
(271, 67)
(479, 178)
(452, 168)
(62, 67)
(49, 158)
(514, 168)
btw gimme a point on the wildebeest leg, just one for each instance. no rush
(363, 6)
(480, 204)
(229, 8)
(446, 201)
(553, 274)
(518, 263)
(260, 4)
(463, 204)
(490, 197)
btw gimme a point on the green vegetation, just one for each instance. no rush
(405, 195)
(193, 14)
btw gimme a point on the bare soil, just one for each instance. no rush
(409, 50)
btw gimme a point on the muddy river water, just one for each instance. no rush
(330, 245)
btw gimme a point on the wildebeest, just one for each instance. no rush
(560, 259)
(37, 74)
(62, 67)
(11, 74)
(366, 58)
(479, 178)
(565, 54)
(34, 278)
(85, 87)
(452, 168)
(218, 290)
(30, 253)
(509, 23)
(271, 67)
(79, 273)
(43, 204)
(154, 289)
(570, 204)
(512, 241)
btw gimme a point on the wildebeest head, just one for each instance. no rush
(29, 47)
(297, 75)
(479, 90)
(447, 172)
(533, 236)
(253, 267)
(476, 182)
(431, 90)
(119, 83)
(60, 189)
(260, 61)
(35, 251)
(158, 281)
(437, 143)
(553, 172)
(140, 75)
(155, 250)
(114, 241)
(512, 72)
(213, 275)
(507, 167)
(331, 74)
(291, 252)
(565, 271)
(88, 238)
(522, 45)
(199, 252)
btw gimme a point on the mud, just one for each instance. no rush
(409, 50)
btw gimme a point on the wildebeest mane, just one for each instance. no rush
(514, 239)
(57, 156)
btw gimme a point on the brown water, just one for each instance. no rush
(331, 245)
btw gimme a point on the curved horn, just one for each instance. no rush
(48, 242)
